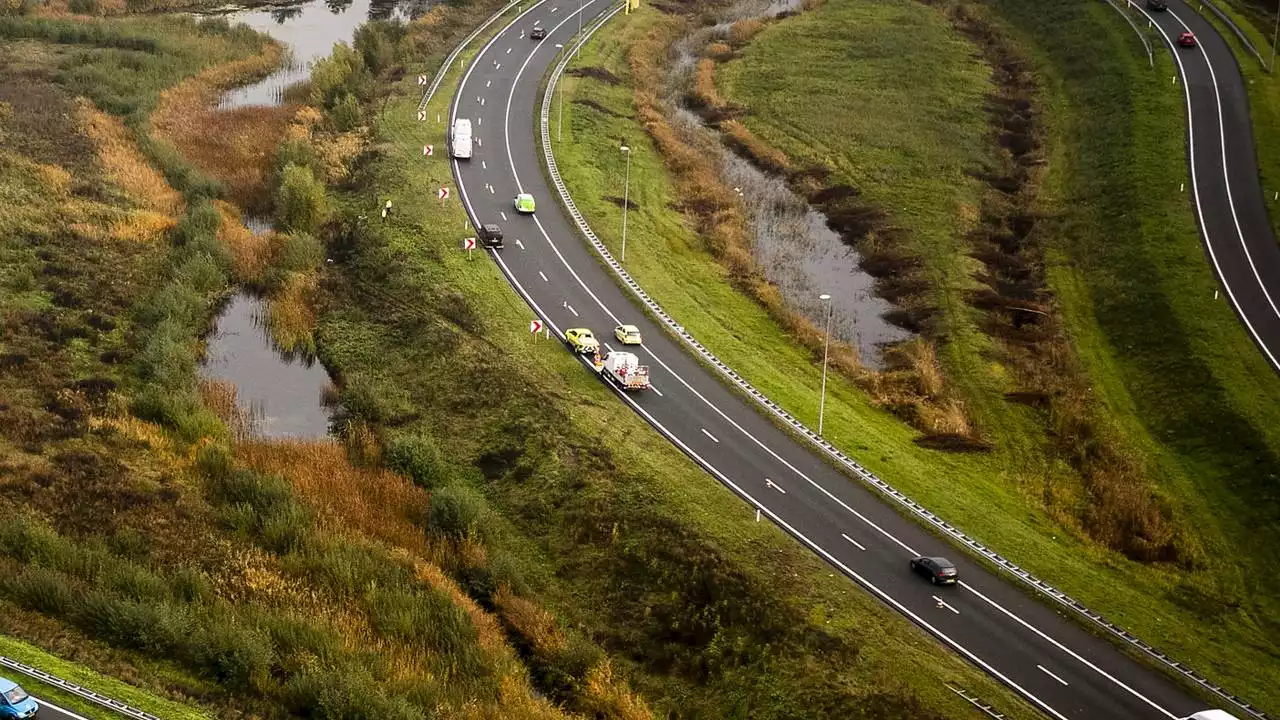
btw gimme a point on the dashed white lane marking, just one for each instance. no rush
(479, 99)
(491, 190)
(479, 122)
(544, 277)
(487, 83)
(704, 432)
(484, 165)
(504, 215)
(774, 485)
(608, 347)
(520, 244)
(575, 312)
(497, 66)
(651, 387)
(942, 603)
(1045, 670)
(509, 49)
(555, 9)
(479, 143)
(855, 542)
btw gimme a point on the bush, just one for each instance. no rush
(346, 693)
(417, 456)
(299, 252)
(84, 7)
(455, 512)
(301, 205)
(295, 151)
(345, 113)
(42, 590)
(379, 44)
(431, 621)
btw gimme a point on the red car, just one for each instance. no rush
(1187, 39)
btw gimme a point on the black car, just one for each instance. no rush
(538, 33)
(940, 571)
(490, 236)
(1158, 5)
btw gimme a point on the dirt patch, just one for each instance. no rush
(588, 102)
(596, 72)
(629, 203)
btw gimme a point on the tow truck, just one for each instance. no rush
(624, 370)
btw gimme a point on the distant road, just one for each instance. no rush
(1226, 190)
(1064, 670)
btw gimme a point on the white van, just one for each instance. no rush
(1212, 715)
(460, 138)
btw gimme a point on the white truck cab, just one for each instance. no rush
(460, 138)
(1212, 715)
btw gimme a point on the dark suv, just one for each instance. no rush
(538, 33)
(1157, 5)
(940, 571)
(490, 236)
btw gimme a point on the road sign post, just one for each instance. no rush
(443, 194)
(535, 327)
(428, 150)
(469, 244)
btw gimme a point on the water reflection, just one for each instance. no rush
(309, 31)
(283, 392)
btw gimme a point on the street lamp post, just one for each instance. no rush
(826, 344)
(1274, 35)
(626, 200)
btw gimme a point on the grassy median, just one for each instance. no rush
(1123, 260)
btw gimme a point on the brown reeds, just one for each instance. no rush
(124, 165)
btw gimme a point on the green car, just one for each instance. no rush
(524, 203)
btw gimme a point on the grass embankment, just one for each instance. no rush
(605, 554)
(1159, 352)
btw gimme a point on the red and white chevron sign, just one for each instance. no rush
(535, 326)
(468, 243)
(444, 192)
(428, 150)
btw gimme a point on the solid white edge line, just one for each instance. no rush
(64, 711)
(1064, 649)
(1195, 183)
(1046, 671)
(670, 436)
(871, 587)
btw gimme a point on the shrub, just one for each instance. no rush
(299, 252)
(455, 512)
(417, 456)
(84, 7)
(301, 205)
(41, 589)
(346, 693)
(345, 113)
(431, 621)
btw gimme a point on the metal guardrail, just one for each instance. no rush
(976, 702)
(1146, 42)
(1239, 32)
(866, 476)
(72, 688)
(448, 61)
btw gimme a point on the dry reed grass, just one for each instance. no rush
(743, 31)
(235, 146)
(535, 625)
(291, 312)
(372, 502)
(250, 251)
(763, 155)
(221, 397)
(124, 165)
(604, 695)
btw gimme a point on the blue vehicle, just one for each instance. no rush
(15, 703)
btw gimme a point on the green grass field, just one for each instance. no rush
(1175, 375)
(607, 524)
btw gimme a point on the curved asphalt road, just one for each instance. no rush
(1054, 663)
(1225, 188)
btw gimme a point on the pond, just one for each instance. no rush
(282, 393)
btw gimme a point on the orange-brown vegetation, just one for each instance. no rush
(746, 143)
(291, 315)
(235, 146)
(743, 31)
(250, 251)
(124, 165)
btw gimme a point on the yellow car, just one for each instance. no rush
(581, 340)
(627, 334)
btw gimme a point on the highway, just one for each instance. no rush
(1225, 189)
(1065, 671)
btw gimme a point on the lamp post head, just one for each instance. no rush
(824, 296)
(625, 149)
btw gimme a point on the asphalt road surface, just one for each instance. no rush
(1050, 660)
(1225, 190)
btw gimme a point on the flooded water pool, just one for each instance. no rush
(282, 393)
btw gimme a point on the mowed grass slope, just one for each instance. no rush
(1107, 140)
(704, 611)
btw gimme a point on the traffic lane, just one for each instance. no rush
(521, 137)
(610, 283)
(1247, 263)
